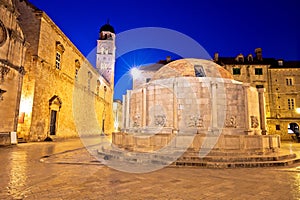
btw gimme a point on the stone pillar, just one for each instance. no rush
(154, 102)
(124, 112)
(262, 111)
(214, 106)
(128, 96)
(246, 87)
(175, 107)
(144, 107)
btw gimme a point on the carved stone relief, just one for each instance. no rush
(231, 122)
(254, 122)
(136, 121)
(3, 72)
(160, 120)
(195, 121)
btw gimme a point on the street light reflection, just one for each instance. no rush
(18, 176)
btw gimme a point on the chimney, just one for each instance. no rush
(216, 57)
(250, 58)
(168, 59)
(258, 53)
(240, 58)
(280, 62)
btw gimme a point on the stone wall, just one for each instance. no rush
(9, 102)
(237, 144)
(48, 88)
(247, 75)
(278, 91)
(281, 114)
(12, 51)
(203, 104)
(141, 78)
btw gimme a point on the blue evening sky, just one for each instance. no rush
(229, 27)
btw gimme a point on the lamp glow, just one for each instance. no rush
(135, 72)
(298, 110)
(26, 105)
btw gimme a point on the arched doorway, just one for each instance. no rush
(293, 128)
(54, 107)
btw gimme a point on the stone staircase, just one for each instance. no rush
(235, 161)
(212, 160)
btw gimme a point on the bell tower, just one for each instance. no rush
(106, 49)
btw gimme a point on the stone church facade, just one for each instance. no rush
(279, 78)
(12, 52)
(57, 75)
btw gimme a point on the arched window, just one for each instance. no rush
(60, 49)
(98, 87)
(77, 67)
(90, 76)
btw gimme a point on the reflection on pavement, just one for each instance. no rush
(18, 173)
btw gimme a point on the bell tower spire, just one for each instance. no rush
(106, 49)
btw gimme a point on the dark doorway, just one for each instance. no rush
(53, 122)
(293, 128)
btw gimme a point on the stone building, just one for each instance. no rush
(12, 52)
(145, 73)
(279, 78)
(62, 94)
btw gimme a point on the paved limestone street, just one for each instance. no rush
(65, 170)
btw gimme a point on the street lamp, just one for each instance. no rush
(298, 110)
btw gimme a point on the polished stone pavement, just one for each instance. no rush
(65, 170)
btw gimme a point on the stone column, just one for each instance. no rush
(246, 87)
(144, 107)
(128, 96)
(124, 112)
(214, 106)
(175, 107)
(154, 103)
(262, 111)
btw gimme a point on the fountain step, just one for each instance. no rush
(236, 164)
(239, 158)
(189, 160)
